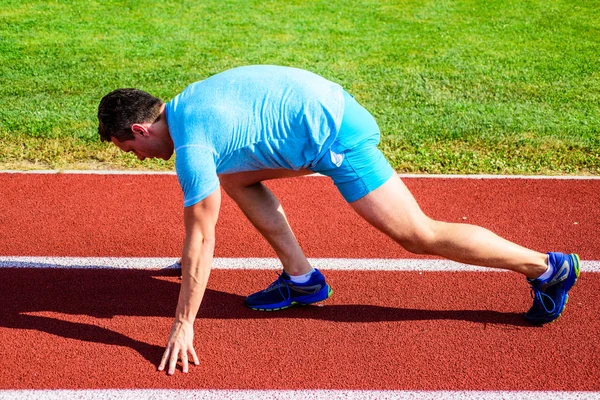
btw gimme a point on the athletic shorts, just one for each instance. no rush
(354, 162)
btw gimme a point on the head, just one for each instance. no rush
(135, 122)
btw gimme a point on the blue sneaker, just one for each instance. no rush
(284, 293)
(550, 295)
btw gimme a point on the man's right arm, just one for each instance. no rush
(200, 220)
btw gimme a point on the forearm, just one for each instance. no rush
(196, 264)
(200, 220)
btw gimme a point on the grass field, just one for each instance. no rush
(498, 86)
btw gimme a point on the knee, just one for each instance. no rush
(231, 186)
(420, 239)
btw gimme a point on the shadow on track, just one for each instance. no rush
(103, 293)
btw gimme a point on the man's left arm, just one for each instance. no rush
(200, 220)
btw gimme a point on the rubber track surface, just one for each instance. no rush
(141, 216)
(380, 330)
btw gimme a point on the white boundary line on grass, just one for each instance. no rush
(441, 176)
(340, 264)
(135, 394)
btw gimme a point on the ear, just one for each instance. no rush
(140, 130)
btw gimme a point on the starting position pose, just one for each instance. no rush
(246, 125)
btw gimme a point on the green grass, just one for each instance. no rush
(456, 86)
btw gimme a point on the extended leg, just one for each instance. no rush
(392, 209)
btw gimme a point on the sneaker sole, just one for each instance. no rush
(577, 267)
(321, 295)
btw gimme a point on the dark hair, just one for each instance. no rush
(122, 108)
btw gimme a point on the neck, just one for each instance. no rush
(161, 129)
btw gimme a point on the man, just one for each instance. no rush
(250, 124)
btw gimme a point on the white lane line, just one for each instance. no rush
(438, 176)
(343, 264)
(135, 394)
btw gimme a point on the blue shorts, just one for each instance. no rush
(354, 162)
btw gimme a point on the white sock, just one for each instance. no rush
(548, 272)
(302, 278)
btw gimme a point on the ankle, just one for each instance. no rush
(297, 268)
(302, 278)
(540, 269)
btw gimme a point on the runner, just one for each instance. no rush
(250, 124)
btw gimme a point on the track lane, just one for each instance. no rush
(141, 216)
(380, 330)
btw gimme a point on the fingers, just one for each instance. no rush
(184, 360)
(171, 355)
(174, 352)
(178, 346)
(165, 357)
(194, 356)
(173, 360)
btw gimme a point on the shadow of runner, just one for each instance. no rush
(84, 332)
(366, 313)
(103, 293)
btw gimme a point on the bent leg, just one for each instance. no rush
(392, 209)
(265, 212)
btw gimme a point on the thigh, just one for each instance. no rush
(392, 209)
(243, 179)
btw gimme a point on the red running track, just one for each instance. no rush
(380, 330)
(141, 216)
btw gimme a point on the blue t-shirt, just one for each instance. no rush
(251, 118)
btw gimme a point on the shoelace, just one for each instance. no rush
(278, 283)
(538, 297)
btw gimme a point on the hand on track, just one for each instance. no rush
(179, 345)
